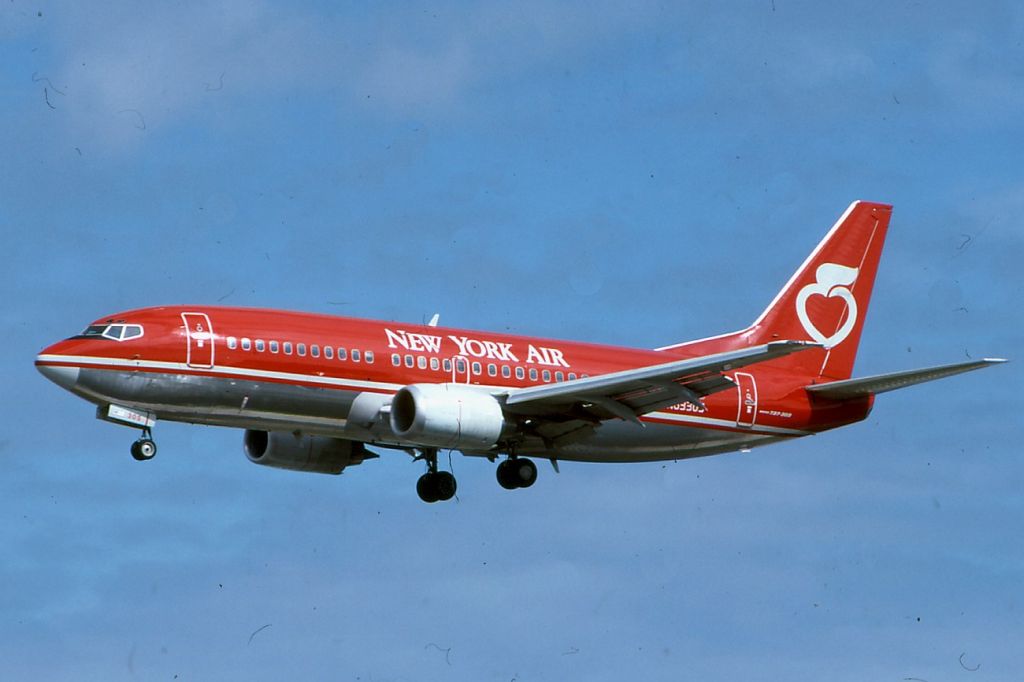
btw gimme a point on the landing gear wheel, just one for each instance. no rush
(507, 476)
(427, 489)
(444, 485)
(526, 472)
(143, 449)
(516, 473)
(436, 486)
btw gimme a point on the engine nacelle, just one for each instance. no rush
(447, 416)
(301, 452)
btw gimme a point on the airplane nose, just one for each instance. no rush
(65, 377)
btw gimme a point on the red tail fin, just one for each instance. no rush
(825, 301)
(827, 298)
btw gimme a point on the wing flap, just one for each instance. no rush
(857, 388)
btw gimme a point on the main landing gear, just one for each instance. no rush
(435, 486)
(144, 448)
(516, 472)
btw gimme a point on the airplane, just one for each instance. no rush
(315, 392)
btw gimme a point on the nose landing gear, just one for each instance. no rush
(144, 448)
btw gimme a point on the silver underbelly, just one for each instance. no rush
(274, 406)
(221, 401)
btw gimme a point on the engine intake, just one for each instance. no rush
(301, 452)
(447, 416)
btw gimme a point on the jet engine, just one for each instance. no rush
(301, 452)
(447, 416)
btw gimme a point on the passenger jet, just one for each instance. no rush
(314, 391)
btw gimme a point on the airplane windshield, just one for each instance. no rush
(114, 332)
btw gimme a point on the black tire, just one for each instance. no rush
(506, 474)
(143, 449)
(525, 472)
(445, 485)
(427, 488)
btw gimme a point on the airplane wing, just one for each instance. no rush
(633, 392)
(856, 388)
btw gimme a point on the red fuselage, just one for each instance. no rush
(277, 370)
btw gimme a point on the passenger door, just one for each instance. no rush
(199, 340)
(746, 393)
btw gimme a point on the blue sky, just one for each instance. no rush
(638, 175)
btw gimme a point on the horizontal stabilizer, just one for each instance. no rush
(856, 388)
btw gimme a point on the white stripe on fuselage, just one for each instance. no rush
(85, 361)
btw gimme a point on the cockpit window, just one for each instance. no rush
(114, 332)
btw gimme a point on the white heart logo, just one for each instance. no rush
(832, 281)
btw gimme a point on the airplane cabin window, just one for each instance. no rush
(506, 371)
(559, 376)
(329, 352)
(547, 375)
(274, 347)
(342, 353)
(476, 368)
(421, 362)
(259, 345)
(492, 369)
(520, 374)
(460, 365)
(434, 364)
(246, 344)
(572, 376)
(287, 347)
(396, 359)
(447, 365)
(232, 342)
(314, 350)
(301, 349)
(533, 374)
(409, 361)
(355, 355)
(368, 357)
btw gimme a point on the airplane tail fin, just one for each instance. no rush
(825, 301)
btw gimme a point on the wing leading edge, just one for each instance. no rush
(856, 388)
